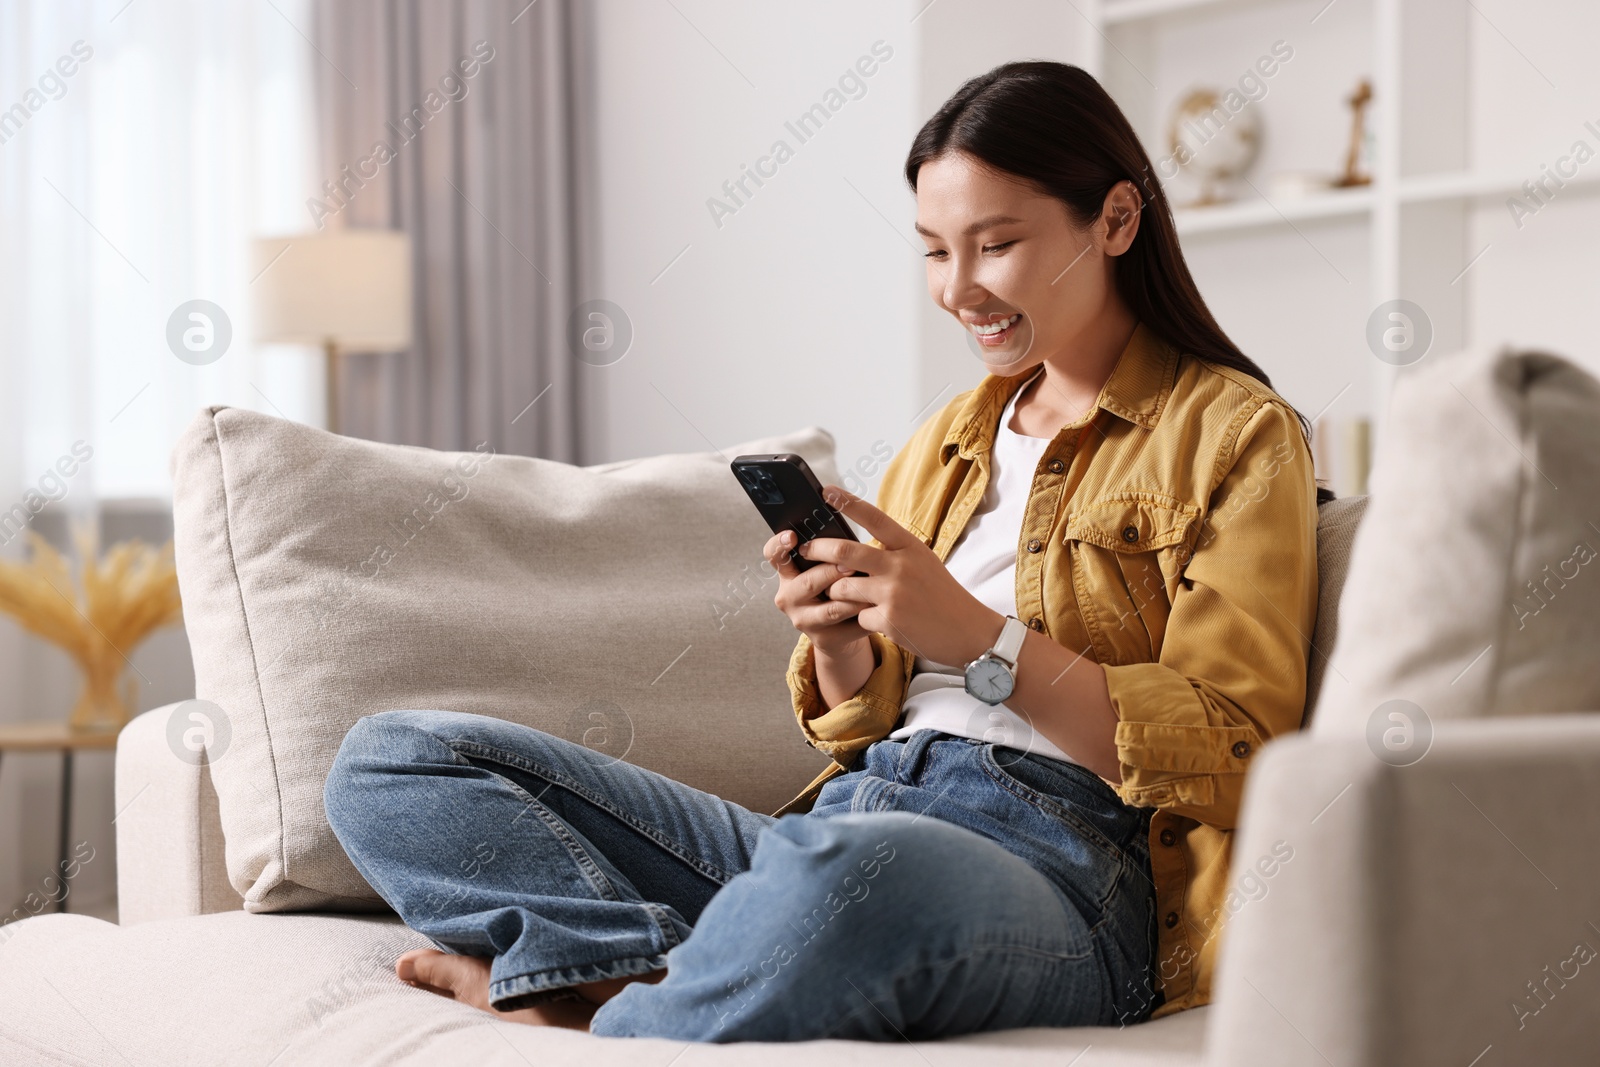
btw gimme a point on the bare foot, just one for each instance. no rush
(598, 993)
(466, 978)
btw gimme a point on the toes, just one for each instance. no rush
(435, 971)
(405, 968)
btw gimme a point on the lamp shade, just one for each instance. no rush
(349, 288)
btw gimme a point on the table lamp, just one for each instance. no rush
(346, 290)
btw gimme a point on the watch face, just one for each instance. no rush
(989, 680)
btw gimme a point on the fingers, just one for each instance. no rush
(800, 591)
(890, 534)
(858, 589)
(777, 552)
(852, 555)
(813, 582)
(828, 613)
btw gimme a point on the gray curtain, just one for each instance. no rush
(462, 123)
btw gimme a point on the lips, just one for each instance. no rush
(997, 331)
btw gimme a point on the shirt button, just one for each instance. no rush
(1172, 919)
(1035, 545)
(1169, 838)
(1056, 466)
(1241, 749)
(1130, 534)
(1036, 623)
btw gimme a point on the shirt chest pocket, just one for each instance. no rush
(1127, 551)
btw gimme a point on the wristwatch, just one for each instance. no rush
(992, 676)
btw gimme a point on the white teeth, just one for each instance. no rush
(995, 327)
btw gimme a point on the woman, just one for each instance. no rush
(1085, 608)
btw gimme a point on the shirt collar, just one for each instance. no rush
(1137, 391)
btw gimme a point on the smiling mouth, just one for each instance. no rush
(996, 333)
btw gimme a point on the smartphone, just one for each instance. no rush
(789, 497)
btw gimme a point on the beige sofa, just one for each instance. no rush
(1414, 902)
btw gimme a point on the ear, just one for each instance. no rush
(1119, 218)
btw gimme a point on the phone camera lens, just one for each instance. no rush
(763, 488)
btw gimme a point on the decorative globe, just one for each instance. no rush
(1213, 143)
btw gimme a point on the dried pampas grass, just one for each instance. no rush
(119, 600)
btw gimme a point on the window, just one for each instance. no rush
(142, 146)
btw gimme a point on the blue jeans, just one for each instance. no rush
(940, 886)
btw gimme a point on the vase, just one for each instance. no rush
(106, 702)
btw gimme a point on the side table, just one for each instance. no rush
(56, 737)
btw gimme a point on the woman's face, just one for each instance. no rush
(1009, 263)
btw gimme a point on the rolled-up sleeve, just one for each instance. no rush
(1231, 671)
(843, 731)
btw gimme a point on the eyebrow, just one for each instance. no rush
(976, 227)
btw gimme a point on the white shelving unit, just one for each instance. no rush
(1423, 189)
(1415, 220)
(1114, 12)
(1250, 214)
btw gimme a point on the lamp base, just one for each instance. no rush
(330, 389)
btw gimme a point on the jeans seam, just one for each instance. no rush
(594, 875)
(1098, 934)
(1012, 946)
(669, 933)
(578, 971)
(591, 870)
(512, 759)
(1052, 807)
(869, 793)
(597, 878)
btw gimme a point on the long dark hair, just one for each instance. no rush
(1053, 125)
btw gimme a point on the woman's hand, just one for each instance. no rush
(903, 590)
(841, 652)
(830, 624)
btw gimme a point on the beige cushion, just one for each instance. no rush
(1337, 521)
(325, 578)
(1474, 587)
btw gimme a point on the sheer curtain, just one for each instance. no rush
(466, 124)
(142, 144)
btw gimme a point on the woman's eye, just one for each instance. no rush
(940, 253)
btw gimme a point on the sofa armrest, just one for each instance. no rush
(1426, 912)
(170, 860)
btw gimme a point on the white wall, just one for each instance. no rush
(1535, 85)
(796, 310)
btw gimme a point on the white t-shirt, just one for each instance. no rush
(984, 561)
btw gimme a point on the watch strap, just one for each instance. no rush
(1009, 645)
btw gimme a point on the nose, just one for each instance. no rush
(960, 283)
